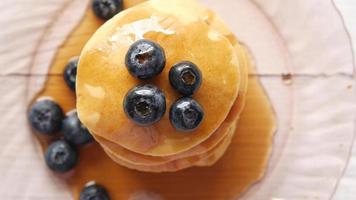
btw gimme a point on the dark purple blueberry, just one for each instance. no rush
(185, 77)
(61, 156)
(106, 9)
(45, 116)
(145, 104)
(70, 73)
(186, 114)
(94, 192)
(74, 131)
(145, 59)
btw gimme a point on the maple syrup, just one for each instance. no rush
(243, 164)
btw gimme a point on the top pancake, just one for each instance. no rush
(139, 159)
(182, 29)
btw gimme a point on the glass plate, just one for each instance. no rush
(315, 109)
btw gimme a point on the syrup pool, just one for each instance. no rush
(243, 164)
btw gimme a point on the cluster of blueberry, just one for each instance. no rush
(146, 104)
(47, 118)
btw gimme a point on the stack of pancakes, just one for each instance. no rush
(187, 31)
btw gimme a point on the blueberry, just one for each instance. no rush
(145, 59)
(70, 73)
(94, 192)
(106, 9)
(145, 104)
(61, 156)
(74, 131)
(185, 77)
(45, 116)
(186, 114)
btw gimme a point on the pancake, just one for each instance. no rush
(138, 159)
(103, 79)
(131, 3)
(208, 157)
(135, 158)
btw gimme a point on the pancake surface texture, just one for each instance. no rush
(186, 31)
(231, 120)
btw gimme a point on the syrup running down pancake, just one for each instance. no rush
(135, 158)
(242, 165)
(185, 34)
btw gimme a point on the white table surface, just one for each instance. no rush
(346, 189)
